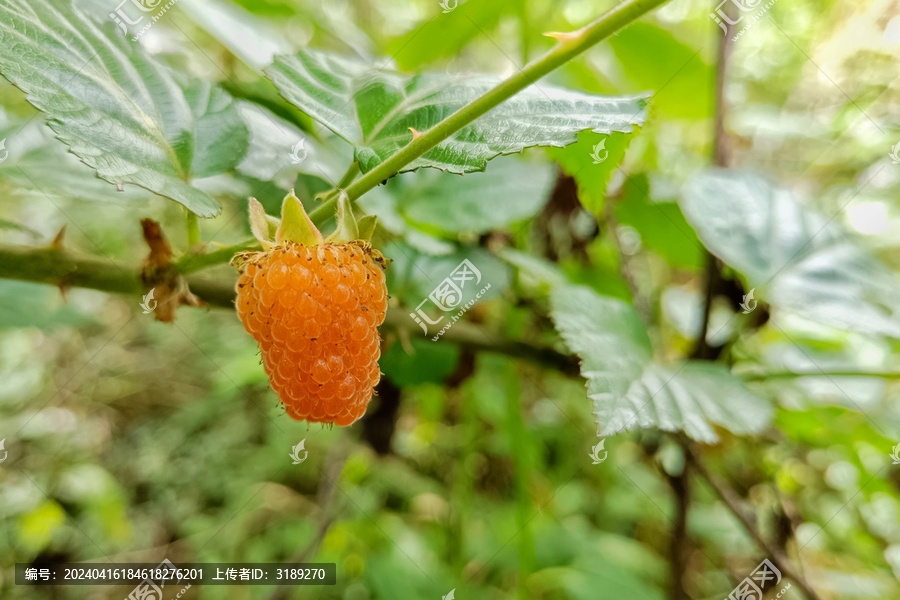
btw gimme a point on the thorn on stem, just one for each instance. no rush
(57, 243)
(562, 36)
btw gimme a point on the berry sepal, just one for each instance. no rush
(296, 226)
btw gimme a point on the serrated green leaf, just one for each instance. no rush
(374, 109)
(608, 335)
(115, 107)
(690, 398)
(37, 161)
(629, 390)
(794, 257)
(221, 138)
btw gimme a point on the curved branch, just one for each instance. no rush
(736, 506)
(65, 270)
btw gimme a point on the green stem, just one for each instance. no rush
(517, 436)
(349, 176)
(326, 210)
(569, 46)
(193, 229)
(63, 269)
(191, 263)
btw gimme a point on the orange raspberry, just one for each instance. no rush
(315, 312)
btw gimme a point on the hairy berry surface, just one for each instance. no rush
(315, 312)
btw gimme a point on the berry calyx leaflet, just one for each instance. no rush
(262, 225)
(347, 228)
(296, 225)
